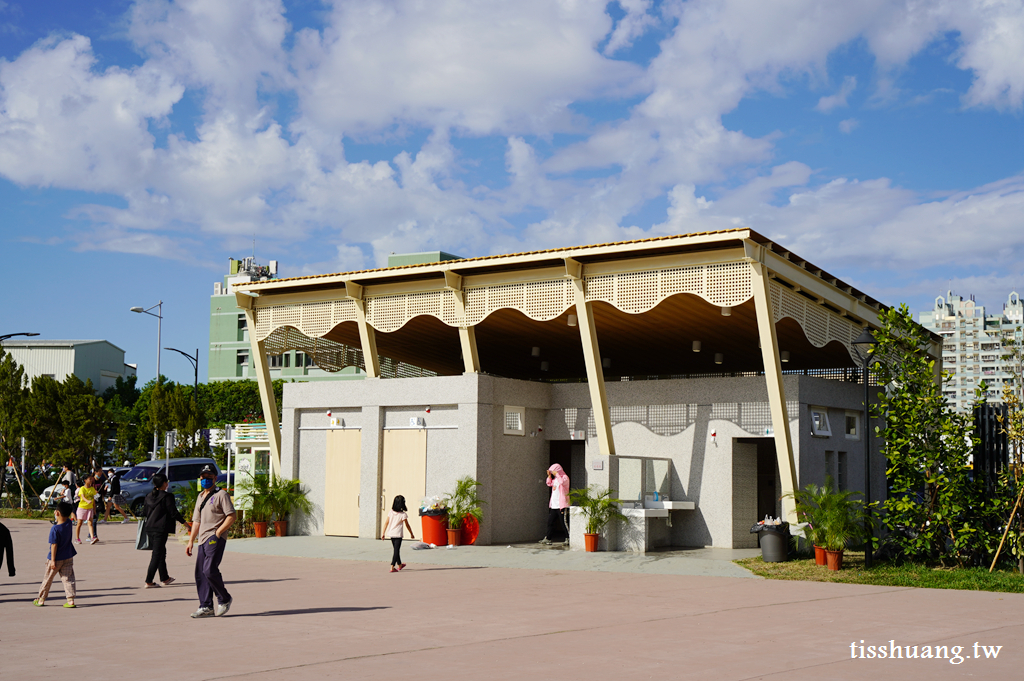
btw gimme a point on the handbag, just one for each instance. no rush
(142, 537)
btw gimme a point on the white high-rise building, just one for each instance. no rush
(974, 345)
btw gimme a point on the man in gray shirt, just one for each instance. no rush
(213, 517)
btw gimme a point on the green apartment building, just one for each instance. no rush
(229, 338)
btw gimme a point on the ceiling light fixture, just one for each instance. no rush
(535, 352)
(696, 346)
(606, 362)
(784, 356)
(544, 365)
(719, 358)
(572, 320)
(726, 311)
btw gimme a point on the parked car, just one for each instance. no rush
(137, 482)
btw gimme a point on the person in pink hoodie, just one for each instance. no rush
(558, 507)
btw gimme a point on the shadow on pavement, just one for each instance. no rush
(309, 611)
(258, 581)
(79, 597)
(425, 568)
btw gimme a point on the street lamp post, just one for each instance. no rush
(195, 366)
(159, 321)
(865, 346)
(12, 335)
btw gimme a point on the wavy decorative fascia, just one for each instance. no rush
(820, 326)
(724, 284)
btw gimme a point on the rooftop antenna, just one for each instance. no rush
(254, 248)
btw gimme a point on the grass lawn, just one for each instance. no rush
(889, 574)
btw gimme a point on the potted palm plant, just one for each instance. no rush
(463, 503)
(843, 520)
(258, 487)
(811, 503)
(598, 508)
(287, 497)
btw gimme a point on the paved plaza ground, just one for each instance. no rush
(328, 608)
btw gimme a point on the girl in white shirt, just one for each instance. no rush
(393, 530)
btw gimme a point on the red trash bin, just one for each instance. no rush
(435, 529)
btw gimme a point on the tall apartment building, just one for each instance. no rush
(975, 344)
(229, 337)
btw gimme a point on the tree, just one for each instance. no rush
(13, 396)
(934, 510)
(66, 421)
(236, 402)
(187, 418)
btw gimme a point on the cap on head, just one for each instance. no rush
(208, 470)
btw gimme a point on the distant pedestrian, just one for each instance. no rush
(558, 506)
(114, 497)
(393, 530)
(68, 475)
(99, 481)
(213, 517)
(160, 512)
(6, 547)
(66, 493)
(86, 510)
(60, 558)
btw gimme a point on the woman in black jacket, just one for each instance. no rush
(160, 512)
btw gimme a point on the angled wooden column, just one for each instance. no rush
(258, 357)
(592, 357)
(367, 337)
(776, 392)
(467, 334)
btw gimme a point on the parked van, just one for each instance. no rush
(138, 482)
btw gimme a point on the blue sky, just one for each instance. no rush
(144, 143)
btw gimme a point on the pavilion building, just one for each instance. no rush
(715, 369)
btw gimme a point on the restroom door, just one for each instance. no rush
(404, 472)
(341, 483)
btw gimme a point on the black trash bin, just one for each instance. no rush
(774, 541)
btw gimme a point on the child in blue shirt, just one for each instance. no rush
(60, 557)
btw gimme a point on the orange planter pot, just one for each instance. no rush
(455, 537)
(590, 541)
(834, 559)
(260, 529)
(280, 528)
(819, 556)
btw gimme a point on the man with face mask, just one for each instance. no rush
(213, 517)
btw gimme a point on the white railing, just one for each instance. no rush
(249, 432)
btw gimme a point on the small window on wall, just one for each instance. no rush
(852, 425)
(819, 422)
(843, 473)
(515, 421)
(276, 361)
(243, 358)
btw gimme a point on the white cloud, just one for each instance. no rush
(462, 71)
(827, 104)
(481, 67)
(637, 20)
(232, 48)
(63, 124)
(848, 125)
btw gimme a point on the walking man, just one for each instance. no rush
(213, 517)
(114, 497)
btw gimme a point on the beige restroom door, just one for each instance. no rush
(405, 473)
(341, 483)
